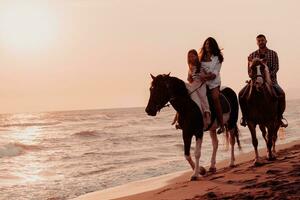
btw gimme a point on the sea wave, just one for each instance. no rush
(95, 171)
(115, 126)
(89, 118)
(16, 149)
(135, 160)
(30, 124)
(167, 135)
(86, 134)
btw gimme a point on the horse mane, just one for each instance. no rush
(268, 76)
(256, 62)
(178, 87)
(251, 89)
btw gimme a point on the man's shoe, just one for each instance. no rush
(221, 129)
(243, 122)
(282, 124)
(177, 126)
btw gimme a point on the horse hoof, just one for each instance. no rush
(257, 163)
(194, 178)
(232, 165)
(212, 170)
(271, 158)
(202, 171)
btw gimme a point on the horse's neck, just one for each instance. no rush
(179, 97)
(177, 87)
(180, 103)
(263, 98)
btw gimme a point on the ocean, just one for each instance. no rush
(62, 155)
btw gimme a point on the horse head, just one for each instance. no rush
(259, 74)
(159, 94)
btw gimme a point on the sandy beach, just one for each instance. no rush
(278, 179)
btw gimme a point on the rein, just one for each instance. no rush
(257, 75)
(190, 93)
(196, 89)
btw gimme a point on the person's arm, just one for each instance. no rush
(250, 58)
(276, 64)
(208, 76)
(204, 76)
(215, 69)
(190, 78)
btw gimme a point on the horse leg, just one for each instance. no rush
(197, 158)
(272, 137)
(252, 127)
(264, 132)
(271, 133)
(232, 143)
(187, 145)
(215, 142)
(275, 138)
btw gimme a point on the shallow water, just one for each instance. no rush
(61, 155)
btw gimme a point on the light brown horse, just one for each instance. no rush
(261, 107)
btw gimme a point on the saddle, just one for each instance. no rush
(277, 94)
(223, 100)
(275, 91)
(224, 103)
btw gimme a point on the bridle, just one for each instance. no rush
(159, 106)
(257, 75)
(172, 98)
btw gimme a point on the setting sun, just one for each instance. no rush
(26, 27)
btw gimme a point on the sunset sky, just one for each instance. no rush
(86, 54)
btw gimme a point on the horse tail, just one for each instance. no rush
(233, 118)
(234, 105)
(236, 133)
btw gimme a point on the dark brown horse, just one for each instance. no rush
(164, 89)
(260, 104)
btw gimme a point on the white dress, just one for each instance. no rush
(198, 89)
(213, 66)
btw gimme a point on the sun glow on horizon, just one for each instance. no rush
(26, 27)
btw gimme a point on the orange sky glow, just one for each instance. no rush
(90, 54)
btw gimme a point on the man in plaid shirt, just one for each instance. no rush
(270, 58)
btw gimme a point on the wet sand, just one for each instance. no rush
(279, 179)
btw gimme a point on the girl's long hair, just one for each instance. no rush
(197, 62)
(215, 50)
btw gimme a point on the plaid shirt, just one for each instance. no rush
(272, 62)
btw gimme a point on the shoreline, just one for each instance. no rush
(158, 187)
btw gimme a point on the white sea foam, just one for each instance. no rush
(15, 149)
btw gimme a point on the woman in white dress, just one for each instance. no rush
(197, 85)
(211, 60)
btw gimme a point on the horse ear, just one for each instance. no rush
(153, 77)
(169, 74)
